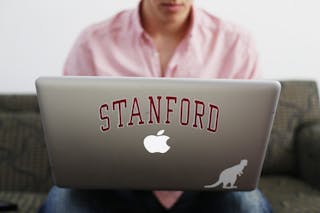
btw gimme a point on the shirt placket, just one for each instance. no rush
(181, 52)
(172, 66)
(152, 56)
(156, 61)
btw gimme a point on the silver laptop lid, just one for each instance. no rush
(152, 133)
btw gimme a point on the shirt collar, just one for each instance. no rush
(194, 22)
(136, 21)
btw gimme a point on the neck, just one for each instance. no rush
(157, 27)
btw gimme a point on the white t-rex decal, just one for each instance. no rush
(229, 176)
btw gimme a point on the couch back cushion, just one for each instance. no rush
(23, 156)
(308, 149)
(18, 103)
(299, 103)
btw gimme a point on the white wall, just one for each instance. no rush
(36, 35)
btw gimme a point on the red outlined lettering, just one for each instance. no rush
(135, 104)
(185, 123)
(216, 118)
(104, 117)
(118, 102)
(197, 114)
(170, 98)
(156, 112)
(208, 113)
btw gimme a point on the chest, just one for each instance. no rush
(164, 59)
(166, 50)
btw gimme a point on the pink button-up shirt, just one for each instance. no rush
(119, 46)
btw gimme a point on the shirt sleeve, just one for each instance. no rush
(251, 67)
(80, 61)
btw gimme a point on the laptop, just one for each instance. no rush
(156, 133)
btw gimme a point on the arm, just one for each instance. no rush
(251, 64)
(80, 59)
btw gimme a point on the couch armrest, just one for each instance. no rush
(308, 152)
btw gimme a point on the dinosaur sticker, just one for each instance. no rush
(228, 177)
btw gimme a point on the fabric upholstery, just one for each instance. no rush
(299, 103)
(287, 194)
(308, 153)
(23, 157)
(27, 201)
(18, 103)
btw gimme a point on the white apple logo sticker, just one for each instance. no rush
(156, 143)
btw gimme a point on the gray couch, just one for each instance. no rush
(291, 172)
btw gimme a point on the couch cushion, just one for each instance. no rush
(308, 153)
(298, 103)
(27, 201)
(23, 156)
(287, 194)
(18, 103)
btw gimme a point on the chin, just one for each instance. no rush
(175, 17)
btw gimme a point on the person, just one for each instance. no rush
(161, 38)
